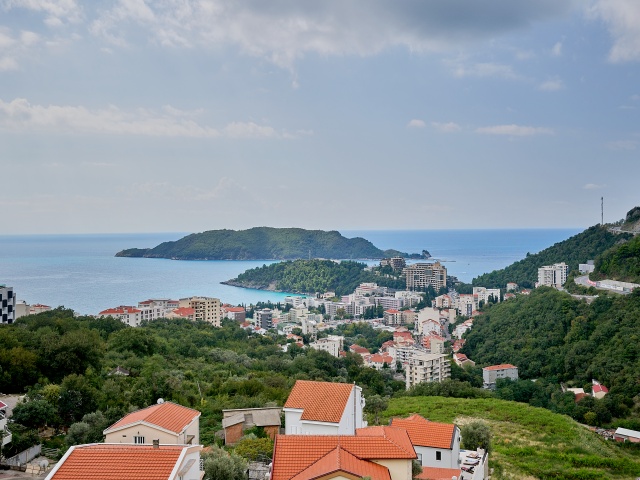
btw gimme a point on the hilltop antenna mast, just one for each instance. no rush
(601, 210)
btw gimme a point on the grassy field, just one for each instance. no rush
(529, 442)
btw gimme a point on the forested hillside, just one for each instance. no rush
(550, 335)
(311, 276)
(621, 262)
(573, 251)
(262, 243)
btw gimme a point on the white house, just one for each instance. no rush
(167, 422)
(324, 408)
(494, 372)
(6, 434)
(436, 444)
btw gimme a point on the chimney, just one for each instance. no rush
(156, 444)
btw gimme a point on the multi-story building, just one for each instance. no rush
(332, 344)
(553, 275)
(392, 317)
(419, 276)
(7, 304)
(128, 315)
(427, 367)
(397, 263)
(234, 313)
(485, 294)
(263, 318)
(207, 309)
(491, 374)
(466, 304)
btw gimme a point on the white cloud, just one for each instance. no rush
(623, 145)
(286, 30)
(448, 127)
(622, 18)
(29, 38)
(594, 186)
(556, 50)
(57, 11)
(19, 115)
(416, 123)
(551, 85)
(514, 130)
(487, 69)
(8, 63)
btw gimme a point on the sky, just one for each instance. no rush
(193, 115)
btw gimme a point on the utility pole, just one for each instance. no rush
(601, 210)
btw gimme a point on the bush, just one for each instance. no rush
(476, 435)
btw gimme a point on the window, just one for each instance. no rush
(140, 440)
(438, 456)
(420, 458)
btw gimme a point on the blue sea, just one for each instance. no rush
(81, 272)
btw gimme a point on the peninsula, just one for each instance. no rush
(266, 243)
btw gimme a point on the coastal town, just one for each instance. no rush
(325, 420)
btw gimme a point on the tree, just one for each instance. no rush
(476, 435)
(89, 430)
(376, 404)
(34, 414)
(220, 465)
(257, 449)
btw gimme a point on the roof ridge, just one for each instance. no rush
(384, 431)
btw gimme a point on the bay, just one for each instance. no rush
(81, 272)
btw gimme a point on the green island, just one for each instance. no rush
(266, 243)
(311, 276)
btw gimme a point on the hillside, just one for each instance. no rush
(573, 251)
(528, 442)
(263, 243)
(621, 262)
(311, 276)
(550, 335)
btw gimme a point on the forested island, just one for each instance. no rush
(266, 243)
(311, 276)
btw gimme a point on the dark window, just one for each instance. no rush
(4, 304)
(10, 294)
(438, 455)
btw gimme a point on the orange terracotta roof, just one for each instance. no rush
(358, 349)
(184, 311)
(295, 454)
(119, 461)
(599, 388)
(435, 473)
(392, 310)
(502, 366)
(339, 460)
(120, 311)
(168, 416)
(321, 401)
(424, 433)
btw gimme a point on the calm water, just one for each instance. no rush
(81, 272)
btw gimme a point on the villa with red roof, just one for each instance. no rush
(131, 316)
(491, 374)
(324, 408)
(378, 361)
(462, 360)
(359, 350)
(100, 461)
(380, 453)
(167, 422)
(598, 390)
(436, 444)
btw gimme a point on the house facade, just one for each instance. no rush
(167, 422)
(491, 374)
(324, 408)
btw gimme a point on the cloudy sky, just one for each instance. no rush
(190, 115)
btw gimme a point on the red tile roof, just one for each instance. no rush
(435, 473)
(303, 457)
(599, 388)
(392, 311)
(424, 433)
(320, 401)
(122, 310)
(184, 311)
(119, 461)
(502, 366)
(2, 404)
(168, 416)
(234, 309)
(358, 349)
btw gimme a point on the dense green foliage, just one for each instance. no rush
(311, 276)
(573, 251)
(621, 262)
(476, 434)
(262, 243)
(529, 442)
(555, 338)
(194, 364)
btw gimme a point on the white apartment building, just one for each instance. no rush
(390, 302)
(297, 301)
(491, 374)
(263, 318)
(466, 304)
(427, 367)
(419, 276)
(131, 316)
(410, 298)
(7, 304)
(553, 275)
(333, 345)
(484, 294)
(207, 309)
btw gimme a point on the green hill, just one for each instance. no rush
(263, 243)
(529, 442)
(311, 276)
(577, 249)
(621, 262)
